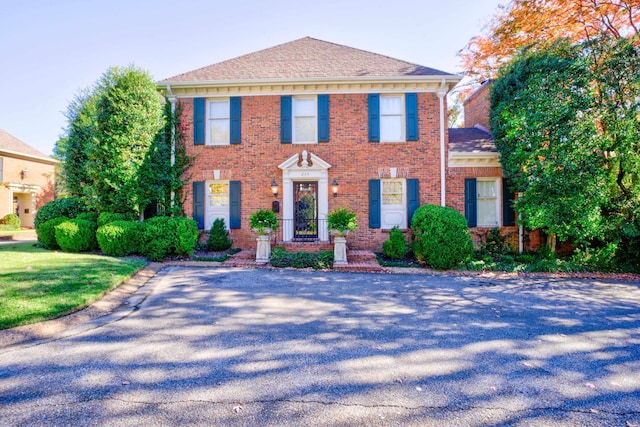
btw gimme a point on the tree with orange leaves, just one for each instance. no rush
(524, 23)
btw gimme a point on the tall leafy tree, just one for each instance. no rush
(523, 23)
(129, 116)
(566, 120)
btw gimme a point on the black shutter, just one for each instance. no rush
(470, 202)
(374, 203)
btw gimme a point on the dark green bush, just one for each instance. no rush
(441, 236)
(395, 247)
(47, 232)
(76, 235)
(120, 238)
(89, 216)
(218, 237)
(317, 260)
(12, 221)
(70, 207)
(165, 236)
(107, 217)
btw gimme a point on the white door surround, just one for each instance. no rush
(304, 167)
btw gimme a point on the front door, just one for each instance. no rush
(305, 216)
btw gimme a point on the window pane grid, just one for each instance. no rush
(305, 120)
(219, 195)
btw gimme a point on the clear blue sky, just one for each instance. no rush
(50, 50)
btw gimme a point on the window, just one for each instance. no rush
(393, 203)
(392, 118)
(487, 203)
(483, 201)
(219, 117)
(305, 120)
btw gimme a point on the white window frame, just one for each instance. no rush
(1, 168)
(294, 117)
(211, 212)
(211, 119)
(402, 115)
(387, 209)
(497, 210)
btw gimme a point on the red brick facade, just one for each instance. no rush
(353, 159)
(477, 107)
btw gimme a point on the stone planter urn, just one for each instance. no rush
(339, 250)
(263, 248)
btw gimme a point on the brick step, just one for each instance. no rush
(364, 267)
(361, 256)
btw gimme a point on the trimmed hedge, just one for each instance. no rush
(120, 238)
(76, 235)
(441, 236)
(108, 217)
(12, 221)
(47, 232)
(165, 236)
(70, 207)
(218, 237)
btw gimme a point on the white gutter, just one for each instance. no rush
(442, 92)
(29, 157)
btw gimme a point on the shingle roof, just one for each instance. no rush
(11, 143)
(471, 140)
(306, 58)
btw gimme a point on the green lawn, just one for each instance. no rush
(37, 284)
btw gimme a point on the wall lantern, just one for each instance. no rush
(274, 188)
(334, 187)
(24, 173)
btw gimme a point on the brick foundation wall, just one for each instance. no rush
(354, 160)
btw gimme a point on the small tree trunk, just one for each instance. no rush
(551, 242)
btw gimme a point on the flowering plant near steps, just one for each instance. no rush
(342, 220)
(263, 219)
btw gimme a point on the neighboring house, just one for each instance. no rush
(27, 179)
(330, 126)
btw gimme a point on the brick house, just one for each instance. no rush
(27, 178)
(324, 125)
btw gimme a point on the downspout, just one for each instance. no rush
(172, 100)
(442, 92)
(520, 232)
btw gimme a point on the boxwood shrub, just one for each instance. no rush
(165, 236)
(441, 236)
(395, 247)
(47, 232)
(218, 237)
(12, 222)
(316, 260)
(108, 217)
(70, 207)
(76, 235)
(120, 238)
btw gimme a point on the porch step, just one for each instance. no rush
(361, 256)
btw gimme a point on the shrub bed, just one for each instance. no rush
(70, 207)
(47, 232)
(11, 221)
(317, 260)
(168, 236)
(108, 217)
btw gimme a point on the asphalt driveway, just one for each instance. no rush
(215, 346)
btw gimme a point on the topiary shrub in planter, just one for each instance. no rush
(263, 221)
(47, 232)
(165, 236)
(218, 236)
(11, 221)
(120, 238)
(70, 207)
(108, 217)
(76, 235)
(395, 247)
(441, 236)
(341, 220)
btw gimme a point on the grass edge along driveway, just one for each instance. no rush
(37, 284)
